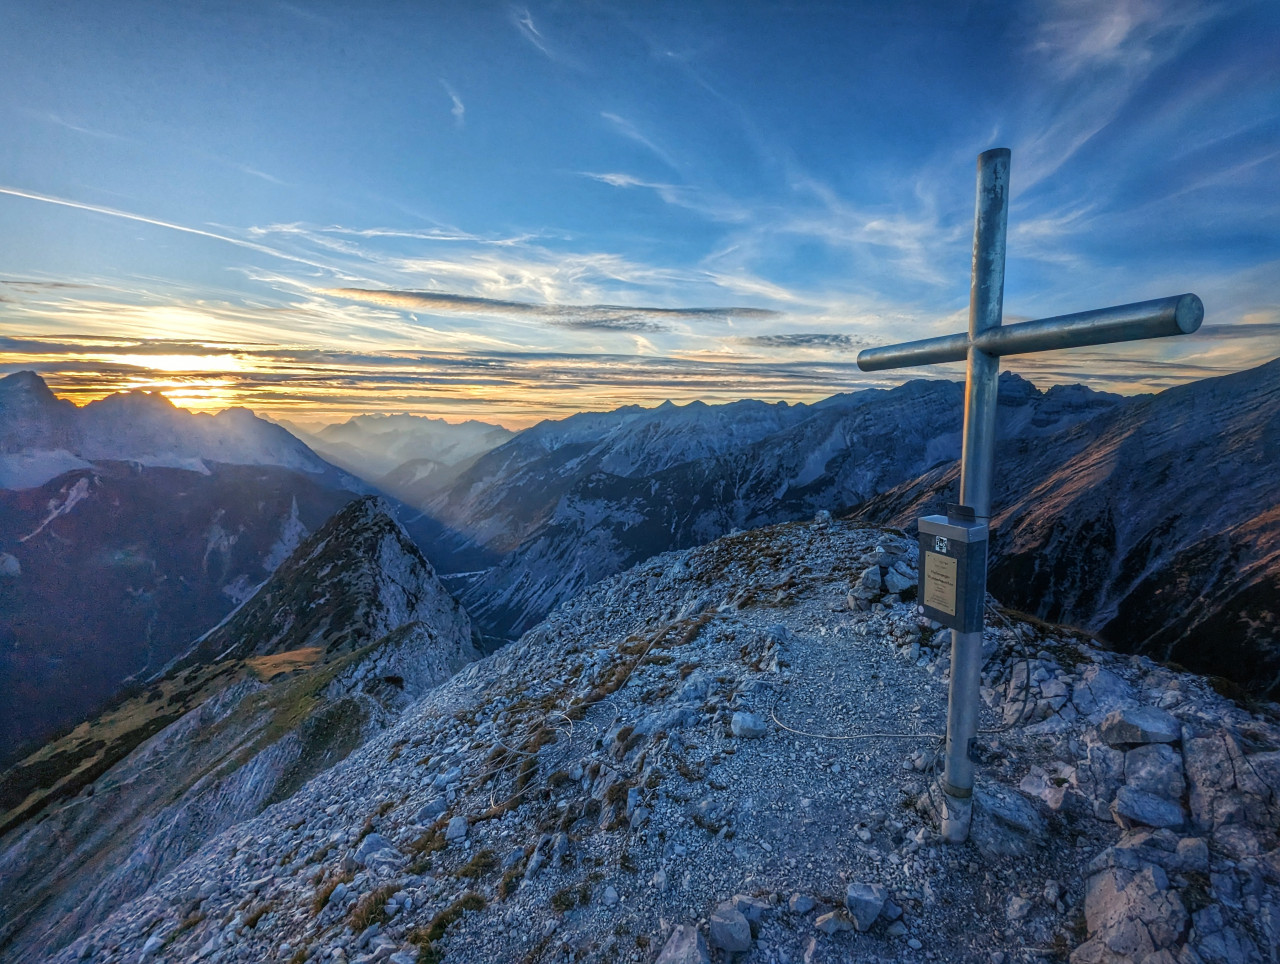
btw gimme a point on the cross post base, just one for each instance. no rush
(953, 815)
(957, 814)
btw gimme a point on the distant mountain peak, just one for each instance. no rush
(42, 436)
(24, 381)
(25, 391)
(137, 396)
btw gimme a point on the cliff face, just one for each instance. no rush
(715, 752)
(350, 630)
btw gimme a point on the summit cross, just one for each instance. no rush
(953, 556)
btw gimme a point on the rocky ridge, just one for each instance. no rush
(726, 752)
(350, 630)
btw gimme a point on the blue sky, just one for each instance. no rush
(513, 211)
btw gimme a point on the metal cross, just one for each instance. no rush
(982, 347)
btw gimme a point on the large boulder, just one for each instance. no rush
(1131, 915)
(685, 946)
(749, 726)
(865, 901)
(1140, 724)
(730, 930)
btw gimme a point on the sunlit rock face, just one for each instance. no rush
(351, 629)
(1156, 525)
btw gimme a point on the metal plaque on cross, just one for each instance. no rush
(981, 347)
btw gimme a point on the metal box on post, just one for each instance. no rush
(953, 568)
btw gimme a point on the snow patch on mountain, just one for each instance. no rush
(26, 470)
(61, 504)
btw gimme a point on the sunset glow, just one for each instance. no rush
(580, 211)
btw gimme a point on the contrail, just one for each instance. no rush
(116, 213)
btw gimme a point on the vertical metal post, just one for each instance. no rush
(977, 464)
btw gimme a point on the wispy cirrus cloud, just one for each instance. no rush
(1081, 36)
(79, 128)
(632, 133)
(458, 110)
(713, 206)
(310, 231)
(254, 172)
(523, 20)
(111, 136)
(156, 222)
(1098, 54)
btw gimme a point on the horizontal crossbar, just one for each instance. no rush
(1179, 315)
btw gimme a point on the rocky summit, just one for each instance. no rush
(726, 753)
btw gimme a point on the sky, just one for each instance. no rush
(509, 212)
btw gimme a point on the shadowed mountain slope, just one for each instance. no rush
(130, 526)
(1157, 525)
(347, 633)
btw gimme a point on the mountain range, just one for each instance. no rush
(42, 436)
(408, 456)
(1112, 512)
(129, 526)
(570, 502)
(702, 737)
(1151, 520)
